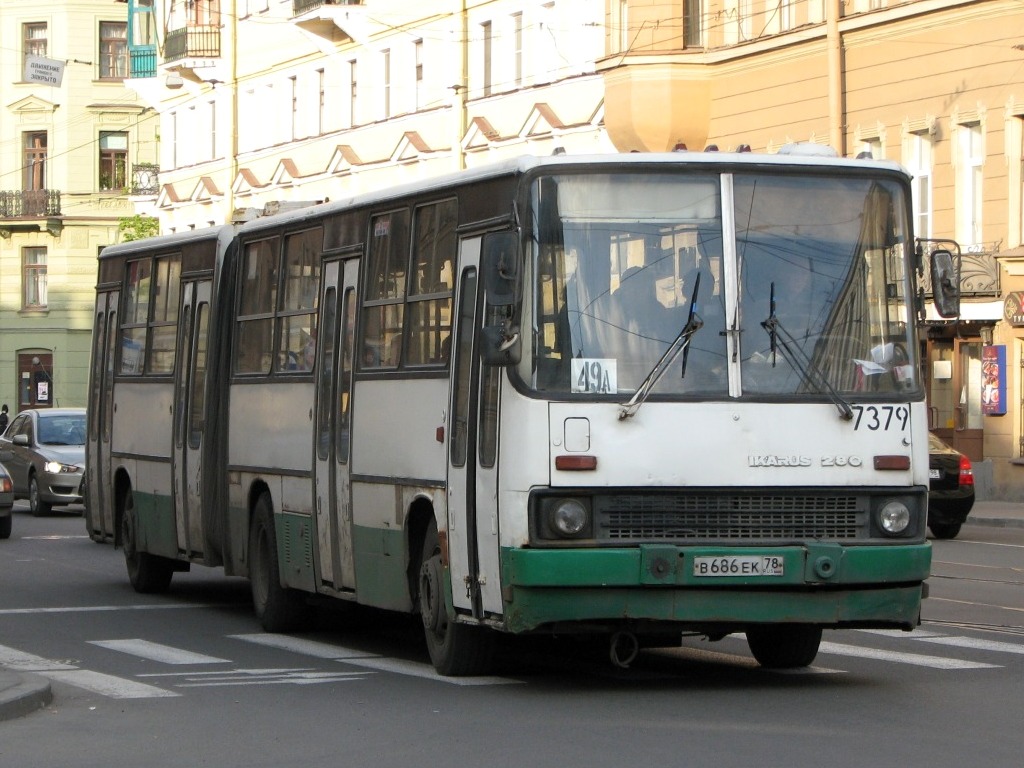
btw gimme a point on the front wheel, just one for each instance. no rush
(278, 608)
(944, 530)
(36, 505)
(455, 649)
(148, 574)
(784, 646)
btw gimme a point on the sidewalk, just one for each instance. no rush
(21, 693)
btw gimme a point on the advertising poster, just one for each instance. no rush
(993, 380)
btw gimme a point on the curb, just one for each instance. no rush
(21, 694)
(996, 522)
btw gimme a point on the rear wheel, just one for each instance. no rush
(455, 649)
(5, 527)
(36, 505)
(784, 646)
(278, 608)
(944, 530)
(147, 573)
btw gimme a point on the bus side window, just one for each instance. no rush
(384, 300)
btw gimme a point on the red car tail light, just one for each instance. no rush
(966, 472)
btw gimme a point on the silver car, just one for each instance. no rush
(6, 503)
(44, 452)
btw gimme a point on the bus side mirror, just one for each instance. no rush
(501, 266)
(500, 260)
(945, 290)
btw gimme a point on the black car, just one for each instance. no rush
(950, 490)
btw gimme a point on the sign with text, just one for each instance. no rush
(39, 69)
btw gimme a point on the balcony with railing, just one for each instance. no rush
(145, 179)
(29, 204)
(300, 7)
(193, 42)
(142, 60)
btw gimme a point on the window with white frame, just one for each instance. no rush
(113, 50)
(487, 40)
(624, 24)
(34, 38)
(970, 157)
(917, 158)
(113, 160)
(872, 146)
(33, 261)
(421, 99)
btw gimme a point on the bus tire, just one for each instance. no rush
(945, 530)
(456, 650)
(5, 527)
(148, 574)
(278, 608)
(784, 646)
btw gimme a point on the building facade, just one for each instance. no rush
(72, 137)
(266, 104)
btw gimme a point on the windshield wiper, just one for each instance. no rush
(781, 337)
(680, 343)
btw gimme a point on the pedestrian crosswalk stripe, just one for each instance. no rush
(108, 685)
(359, 658)
(976, 644)
(157, 652)
(936, 662)
(20, 661)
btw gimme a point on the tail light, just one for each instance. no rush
(966, 472)
(5, 484)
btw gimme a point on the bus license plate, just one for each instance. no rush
(745, 565)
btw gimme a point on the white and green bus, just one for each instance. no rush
(631, 395)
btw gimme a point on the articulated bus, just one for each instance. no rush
(635, 396)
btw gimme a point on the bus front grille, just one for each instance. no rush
(730, 517)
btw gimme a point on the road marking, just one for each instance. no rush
(157, 652)
(900, 634)
(20, 661)
(976, 644)
(936, 662)
(108, 685)
(261, 677)
(367, 660)
(96, 608)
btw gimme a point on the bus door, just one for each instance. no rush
(335, 564)
(189, 415)
(99, 508)
(472, 453)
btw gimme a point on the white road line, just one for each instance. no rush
(305, 647)
(936, 662)
(367, 660)
(97, 608)
(899, 634)
(976, 644)
(108, 685)
(157, 652)
(20, 661)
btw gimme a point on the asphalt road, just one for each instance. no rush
(188, 679)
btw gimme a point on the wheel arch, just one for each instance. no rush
(421, 513)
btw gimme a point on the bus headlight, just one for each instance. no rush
(894, 517)
(569, 517)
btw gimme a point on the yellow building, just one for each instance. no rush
(72, 139)
(267, 104)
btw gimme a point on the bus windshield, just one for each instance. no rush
(801, 289)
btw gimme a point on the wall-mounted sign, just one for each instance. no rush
(1013, 308)
(993, 380)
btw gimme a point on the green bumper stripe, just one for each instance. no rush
(821, 584)
(157, 531)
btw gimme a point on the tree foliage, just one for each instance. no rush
(137, 227)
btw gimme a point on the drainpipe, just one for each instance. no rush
(233, 162)
(836, 114)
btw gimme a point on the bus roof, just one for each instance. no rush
(526, 163)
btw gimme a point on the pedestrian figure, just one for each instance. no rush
(4, 418)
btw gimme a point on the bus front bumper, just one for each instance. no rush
(826, 584)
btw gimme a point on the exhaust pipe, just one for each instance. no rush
(623, 649)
